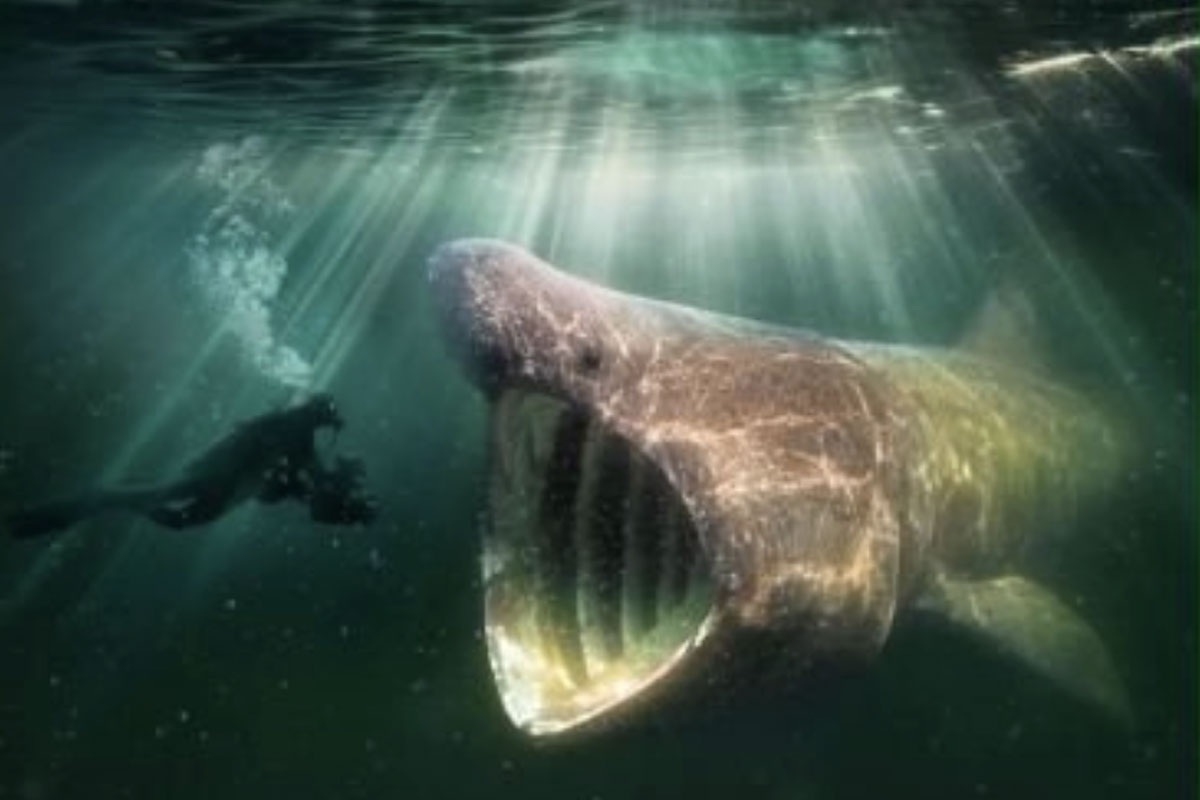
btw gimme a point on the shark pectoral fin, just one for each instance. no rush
(1028, 622)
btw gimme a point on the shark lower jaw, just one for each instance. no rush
(596, 587)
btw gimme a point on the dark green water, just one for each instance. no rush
(204, 207)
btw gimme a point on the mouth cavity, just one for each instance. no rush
(596, 585)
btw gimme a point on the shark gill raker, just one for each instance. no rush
(673, 488)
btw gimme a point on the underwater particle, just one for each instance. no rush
(374, 557)
(344, 631)
(231, 604)
(284, 684)
(418, 686)
(160, 732)
(55, 681)
(32, 789)
(184, 716)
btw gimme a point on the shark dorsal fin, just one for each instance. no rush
(1006, 329)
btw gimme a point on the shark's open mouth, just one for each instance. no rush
(596, 584)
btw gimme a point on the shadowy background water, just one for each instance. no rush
(207, 207)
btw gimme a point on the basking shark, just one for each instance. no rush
(678, 496)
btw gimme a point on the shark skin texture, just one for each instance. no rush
(677, 496)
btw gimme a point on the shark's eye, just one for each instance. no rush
(589, 358)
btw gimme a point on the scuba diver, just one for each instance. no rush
(270, 458)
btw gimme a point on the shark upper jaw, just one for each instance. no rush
(597, 587)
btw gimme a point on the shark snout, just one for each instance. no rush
(457, 274)
(510, 318)
(474, 284)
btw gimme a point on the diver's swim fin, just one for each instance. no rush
(45, 518)
(32, 521)
(1029, 623)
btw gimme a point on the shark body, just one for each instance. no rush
(673, 490)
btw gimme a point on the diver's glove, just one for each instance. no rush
(339, 497)
(285, 481)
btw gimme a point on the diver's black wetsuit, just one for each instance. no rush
(270, 458)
